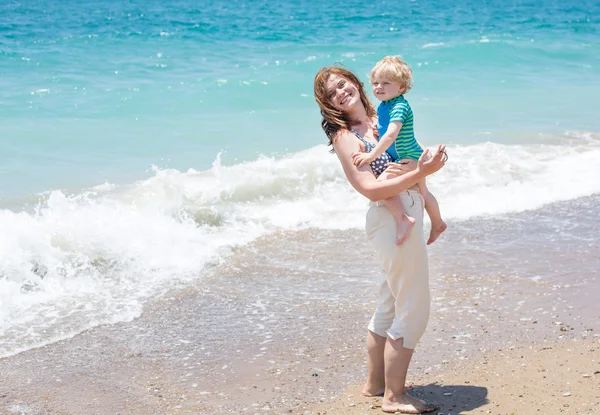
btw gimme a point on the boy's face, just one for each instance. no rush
(384, 88)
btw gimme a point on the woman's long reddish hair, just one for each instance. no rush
(335, 120)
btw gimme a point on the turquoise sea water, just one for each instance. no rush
(101, 91)
(141, 141)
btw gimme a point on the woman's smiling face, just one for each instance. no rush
(342, 93)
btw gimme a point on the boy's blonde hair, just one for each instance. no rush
(395, 69)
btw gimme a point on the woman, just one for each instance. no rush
(403, 304)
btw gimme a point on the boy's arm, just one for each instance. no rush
(363, 180)
(360, 159)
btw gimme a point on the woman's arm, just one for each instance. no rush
(363, 180)
(360, 159)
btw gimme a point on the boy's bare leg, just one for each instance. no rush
(404, 223)
(438, 226)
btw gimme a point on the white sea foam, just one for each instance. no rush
(432, 45)
(95, 257)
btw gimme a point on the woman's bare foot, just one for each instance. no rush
(372, 390)
(436, 230)
(403, 228)
(406, 404)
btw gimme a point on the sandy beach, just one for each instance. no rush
(95, 375)
(279, 331)
(542, 379)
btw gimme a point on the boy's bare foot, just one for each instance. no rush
(406, 404)
(372, 390)
(403, 229)
(436, 230)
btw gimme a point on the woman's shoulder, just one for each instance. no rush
(344, 135)
(345, 141)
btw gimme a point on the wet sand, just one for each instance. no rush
(279, 328)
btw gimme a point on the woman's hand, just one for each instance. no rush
(430, 163)
(400, 168)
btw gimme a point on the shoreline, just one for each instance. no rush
(275, 330)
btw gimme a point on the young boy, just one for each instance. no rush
(391, 78)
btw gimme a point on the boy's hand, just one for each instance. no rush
(360, 159)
